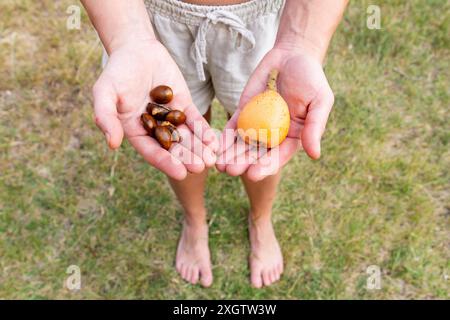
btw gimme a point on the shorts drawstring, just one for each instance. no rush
(198, 48)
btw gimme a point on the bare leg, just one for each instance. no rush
(266, 260)
(193, 260)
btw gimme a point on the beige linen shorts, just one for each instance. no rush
(216, 47)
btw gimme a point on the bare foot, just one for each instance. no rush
(266, 260)
(193, 259)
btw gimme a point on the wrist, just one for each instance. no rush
(303, 45)
(309, 25)
(119, 22)
(127, 35)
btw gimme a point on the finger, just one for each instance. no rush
(158, 157)
(243, 161)
(227, 157)
(227, 138)
(194, 120)
(200, 127)
(258, 80)
(277, 157)
(105, 108)
(193, 143)
(256, 84)
(315, 122)
(191, 161)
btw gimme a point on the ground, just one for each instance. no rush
(378, 196)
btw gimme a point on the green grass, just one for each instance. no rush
(378, 196)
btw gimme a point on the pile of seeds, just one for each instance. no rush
(161, 122)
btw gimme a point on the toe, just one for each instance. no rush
(193, 278)
(277, 275)
(206, 276)
(274, 277)
(184, 272)
(279, 268)
(256, 279)
(178, 267)
(266, 277)
(189, 274)
(271, 276)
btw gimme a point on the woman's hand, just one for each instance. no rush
(304, 86)
(120, 97)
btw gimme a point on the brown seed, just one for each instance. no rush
(176, 117)
(149, 123)
(150, 106)
(166, 124)
(161, 94)
(157, 111)
(173, 130)
(164, 137)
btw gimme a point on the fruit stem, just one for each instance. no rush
(272, 82)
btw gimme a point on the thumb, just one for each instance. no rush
(105, 108)
(316, 120)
